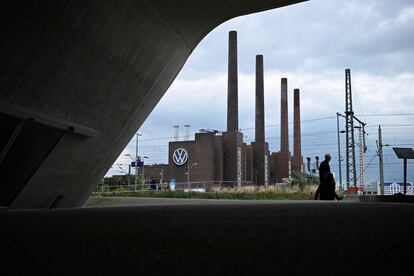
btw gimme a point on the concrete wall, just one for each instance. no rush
(101, 64)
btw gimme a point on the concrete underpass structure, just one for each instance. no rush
(78, 78)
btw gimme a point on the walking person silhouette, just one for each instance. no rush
(326, 187)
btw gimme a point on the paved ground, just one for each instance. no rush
(211, 238)
(94, 202)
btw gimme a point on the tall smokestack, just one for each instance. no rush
(284, 130)
(260, 147)
(186, 132)
(260, 132)
(232, 86)
(175, 133)
(297, 152)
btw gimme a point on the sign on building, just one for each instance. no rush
(180, 156)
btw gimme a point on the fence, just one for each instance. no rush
(204, 186)
(197, 186)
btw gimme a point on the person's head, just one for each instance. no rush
(327, 157)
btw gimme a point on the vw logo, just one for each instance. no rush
(180, 156)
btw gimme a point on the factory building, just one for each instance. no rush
(215, 156)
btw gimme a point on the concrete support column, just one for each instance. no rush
(232, 86)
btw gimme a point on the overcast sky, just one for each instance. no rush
(311, 44)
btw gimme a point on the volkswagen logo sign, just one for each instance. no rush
(180, 156)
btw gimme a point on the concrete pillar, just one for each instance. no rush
(232, 86)
(284, 128)
(260, 132)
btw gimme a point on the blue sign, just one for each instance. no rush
(172, 184)
(137, 164)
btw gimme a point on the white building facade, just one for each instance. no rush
(395, 188)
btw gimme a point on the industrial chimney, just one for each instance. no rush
(283, 159)
(175, 133)
(232, 86)
(297, 160)
(260, 147)
(186, 132)
(260, 132)
(284, 128)
(232, 139)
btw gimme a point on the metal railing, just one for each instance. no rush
(195, 186)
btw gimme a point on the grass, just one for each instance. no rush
(245, 193)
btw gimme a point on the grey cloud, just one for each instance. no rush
(317, 35)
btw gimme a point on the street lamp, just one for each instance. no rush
(188, 174)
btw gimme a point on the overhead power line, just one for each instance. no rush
(385, 114)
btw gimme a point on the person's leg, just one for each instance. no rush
(337, 197)
(325, 196)
(317, 192)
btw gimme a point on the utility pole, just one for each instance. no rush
(142, 175)
(143, 171)
(136, 163)
(129, 177)
(339, 150)
(350, 139)
(362, 150)
(381, 161)
(188, 173)
(361, 159)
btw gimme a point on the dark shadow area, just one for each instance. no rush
(283, 238)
